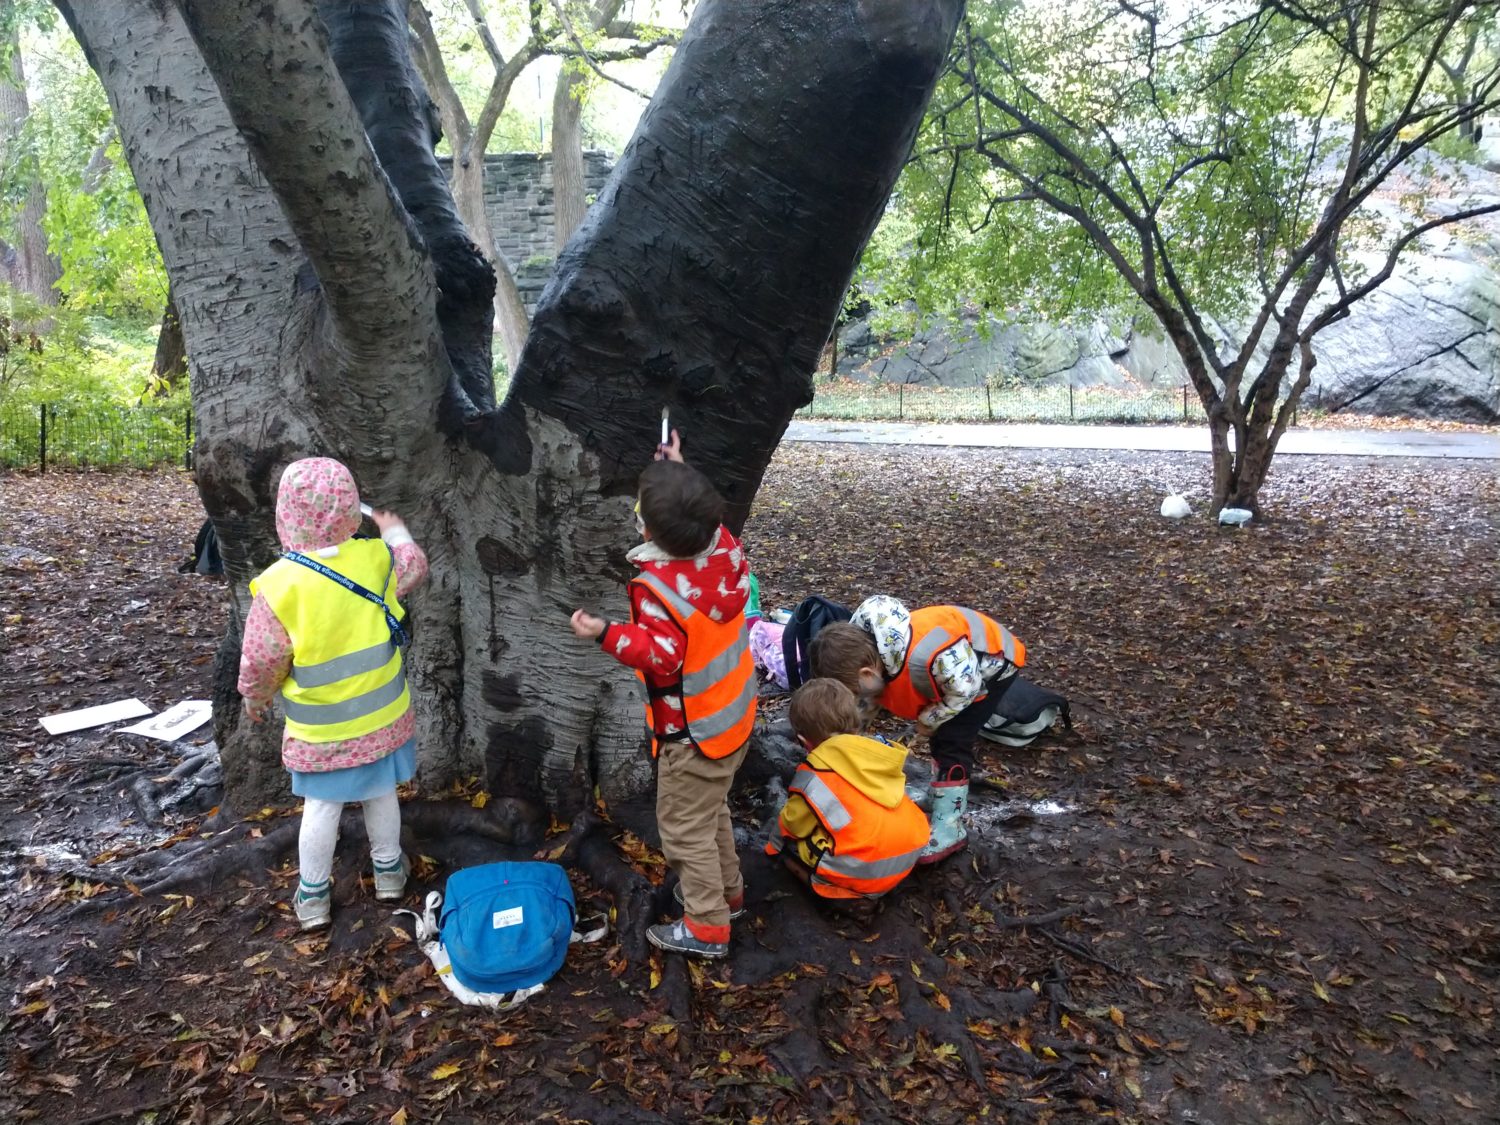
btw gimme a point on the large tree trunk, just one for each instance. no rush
(706, 279)
(510, 311)
(29, 267)
(569, 200)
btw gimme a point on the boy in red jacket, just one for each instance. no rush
(686, 639)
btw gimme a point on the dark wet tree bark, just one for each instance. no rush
(332, 303)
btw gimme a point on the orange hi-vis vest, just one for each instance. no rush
(874, 847)
(718, 677)
(934, 630)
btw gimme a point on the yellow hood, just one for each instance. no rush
(871, 766)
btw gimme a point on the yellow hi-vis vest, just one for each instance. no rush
(347, 679)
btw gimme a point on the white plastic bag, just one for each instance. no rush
(1236, 516)
(1176, 507)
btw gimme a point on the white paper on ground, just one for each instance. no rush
(176, 721)
(66, 722)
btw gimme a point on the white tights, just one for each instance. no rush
(320, 835)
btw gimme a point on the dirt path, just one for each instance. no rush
(1274, 825)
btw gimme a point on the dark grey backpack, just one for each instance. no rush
(1024, 712)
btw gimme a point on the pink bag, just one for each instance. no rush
(765, 650)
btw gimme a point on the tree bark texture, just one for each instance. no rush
(569, 202)
(29, 267)
(313, 301)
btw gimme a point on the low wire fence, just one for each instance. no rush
(64, 436)
(55, 435)
(845, 399)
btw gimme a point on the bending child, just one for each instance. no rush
(943, 666)
(686, 639)
(333, 655)
(848, 830)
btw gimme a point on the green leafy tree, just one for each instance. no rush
(1246, 171)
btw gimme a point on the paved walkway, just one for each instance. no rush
(1186, 439)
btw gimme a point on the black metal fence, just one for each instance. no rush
(54, 435)
(57, 435)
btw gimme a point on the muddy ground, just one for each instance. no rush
(1268, 851)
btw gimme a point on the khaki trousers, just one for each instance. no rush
(697, 838)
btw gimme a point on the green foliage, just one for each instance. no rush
(89, 374)
(1187, 149)
(95, 221)
(63, 356)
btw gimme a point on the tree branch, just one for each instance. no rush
(310, 143)
(486, 37)
(429, 59)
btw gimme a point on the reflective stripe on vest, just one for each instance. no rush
(327, 714)
(347, 679)
(979, 629)
(718, 694)
(718, 668)
(869, 868)
(342, 667)
(935, 629)
(873, 847)
(923, 653)
(815, 792)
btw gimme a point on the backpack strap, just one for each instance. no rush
(398, 634)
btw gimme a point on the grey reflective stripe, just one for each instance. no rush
(923, 653)
(817, 794)
(667, 594)
(868, 868)
(978, 632)
(776, 841)
(326, 714)
(727, 717)
(370, 659)
(696, 683)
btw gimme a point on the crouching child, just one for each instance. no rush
(848, 830)
(944, 666)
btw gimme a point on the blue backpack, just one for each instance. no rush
(507, 926)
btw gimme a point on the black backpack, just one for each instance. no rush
(810, 616)
(206, 558)
(1025, 711)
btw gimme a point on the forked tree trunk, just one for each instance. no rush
(706, 279)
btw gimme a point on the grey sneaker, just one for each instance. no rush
(736, 905)
(675, 937)
(314, 910)
(390, 883)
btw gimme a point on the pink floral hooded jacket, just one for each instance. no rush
(317, 509)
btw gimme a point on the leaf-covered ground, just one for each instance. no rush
(1272, 881)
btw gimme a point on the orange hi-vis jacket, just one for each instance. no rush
(867, 848)
(718, 684)
(935, 629)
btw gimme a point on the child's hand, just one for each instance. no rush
(386, 520)
(923, 730)
(672, 451)
(585, 624)
(253, 713)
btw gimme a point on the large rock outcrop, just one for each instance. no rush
(1424, 345)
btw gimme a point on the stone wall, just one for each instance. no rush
(518, 198)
